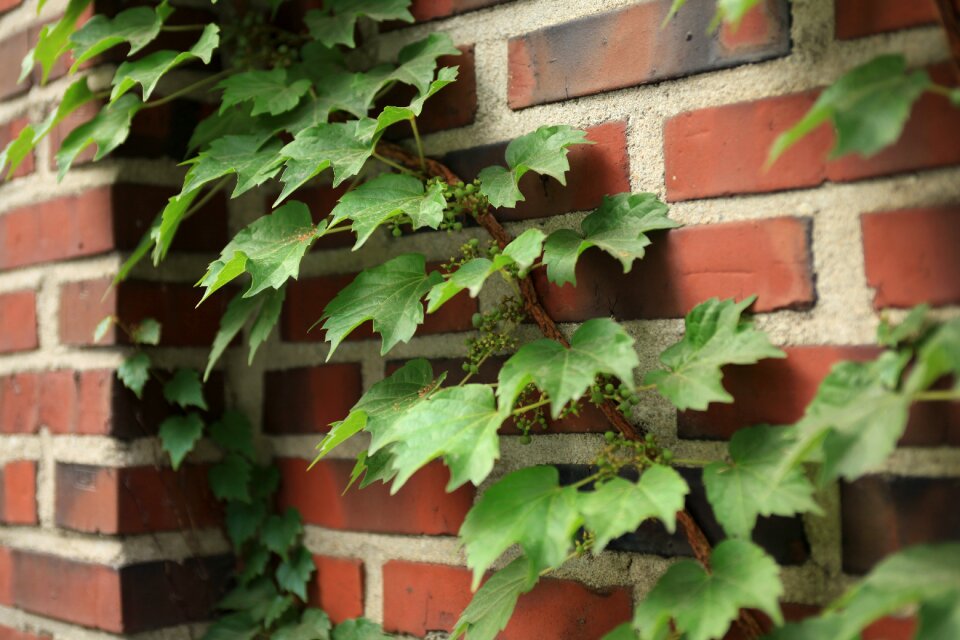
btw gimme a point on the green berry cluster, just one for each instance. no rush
(624, 396)
(535, 418)
(584, 542)
(463, 201)
(259, 44)
(620, 452)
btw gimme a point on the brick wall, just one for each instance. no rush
(95, 526)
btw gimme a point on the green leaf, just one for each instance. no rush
(238, 312)
(418, 60)
(254, 599)
(938, 356)
(624, 631)
(148, 71)
(174, 212)
(732, 12)
(458, 424)
(909, 330)
(134, 372)
(147, 331)
(338, 27)
(340, 145)
(270, 91)
(359, 629)
(388, 196)
(716, 336)
(230, 479)
(53, 41)
(233, 432)
(138, 27)
(255, 562)
(543, 151)
(392, 115)
(491, 607)
(528, 507)
(390, 295)
(868, 107)
(674, 8)
(253, 161)
(278, 608)
(702, 605)
(185, 389)
(619, 227)
(267, 318)
(619, 506)
(748, 486)
(313, 625)
(243, 521)
(294, 572)
(178, 435)
(102, 327)
(281, 532)
(236, 626)
(599, 346)
(107, 130)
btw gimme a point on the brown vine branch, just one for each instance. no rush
(950, 19)
(747, 622)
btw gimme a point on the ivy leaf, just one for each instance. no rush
(868, 107)
(233, 432)
(359, 629)
(230, 479)
(938, 356)
(102, 327)
(491, 607)
(76, 95)
(619, 506)
(619, 227)
(313, 625)
(243, 521)
(234, 318)
(522, 252)
(267, 318)
(148, 71)
(185, 389)
(138, 27)
(53, 41)
(255, 563)
(147, 331)
(418, 60)
(281, 532)
(528, 507)
(458, 424)
(341, 145)
(909, 330)
(392, 115)
(388, 196)
(702, 605)
(731, 12)
(246, 156)
(178, 435)
(600, 345)
(236, 626)
(107, 130)
(389, 295)
(134, 372)
(174, 212)
(253, 599)
(715, 336)
(278, 607)
(294, 572)
(270, 91)
(543, 151)
(338, 27)
(748, 487)
(269, 249)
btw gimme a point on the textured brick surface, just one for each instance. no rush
(431, 9)
(19, 496)
(9, 5)
(858, 18)
(18, 321)
(19, 406)
(595, 171)
(628, 47)
(882, 515)
(9, 633)
(420, 507)
(9, 132)
(308, 399)
(12, 50)
(337, 587)
(134, 499)
(769, 258)
(419, 598)
(911, 256)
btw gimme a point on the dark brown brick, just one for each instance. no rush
(309, 399)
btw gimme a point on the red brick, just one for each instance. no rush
(18, 321)
(308, 399)
(307, 298)
(859, 18)
(884, 514)
(628, 47)
(19, 395)
(9, 132)
(424, 10)
(419, 598)
(8, 633)
(723, 150)
(9, 5)
(684, 267)
(19, 481)
(911, 256)
(98, 221)
(422, 507)
(454, 106)
(595, 171)
(6, 577)
(337, 587)
(12, 51)
(891, 628)
(83, 306)
(133, 500)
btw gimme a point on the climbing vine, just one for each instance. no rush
(295, 103)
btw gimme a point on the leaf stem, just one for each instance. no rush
(690, 462)
(939, 89)
(530, 407)
(184, 91)
(206, 198)
(183, 27)
(416, 137)
(391, 163)
(936, 396)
